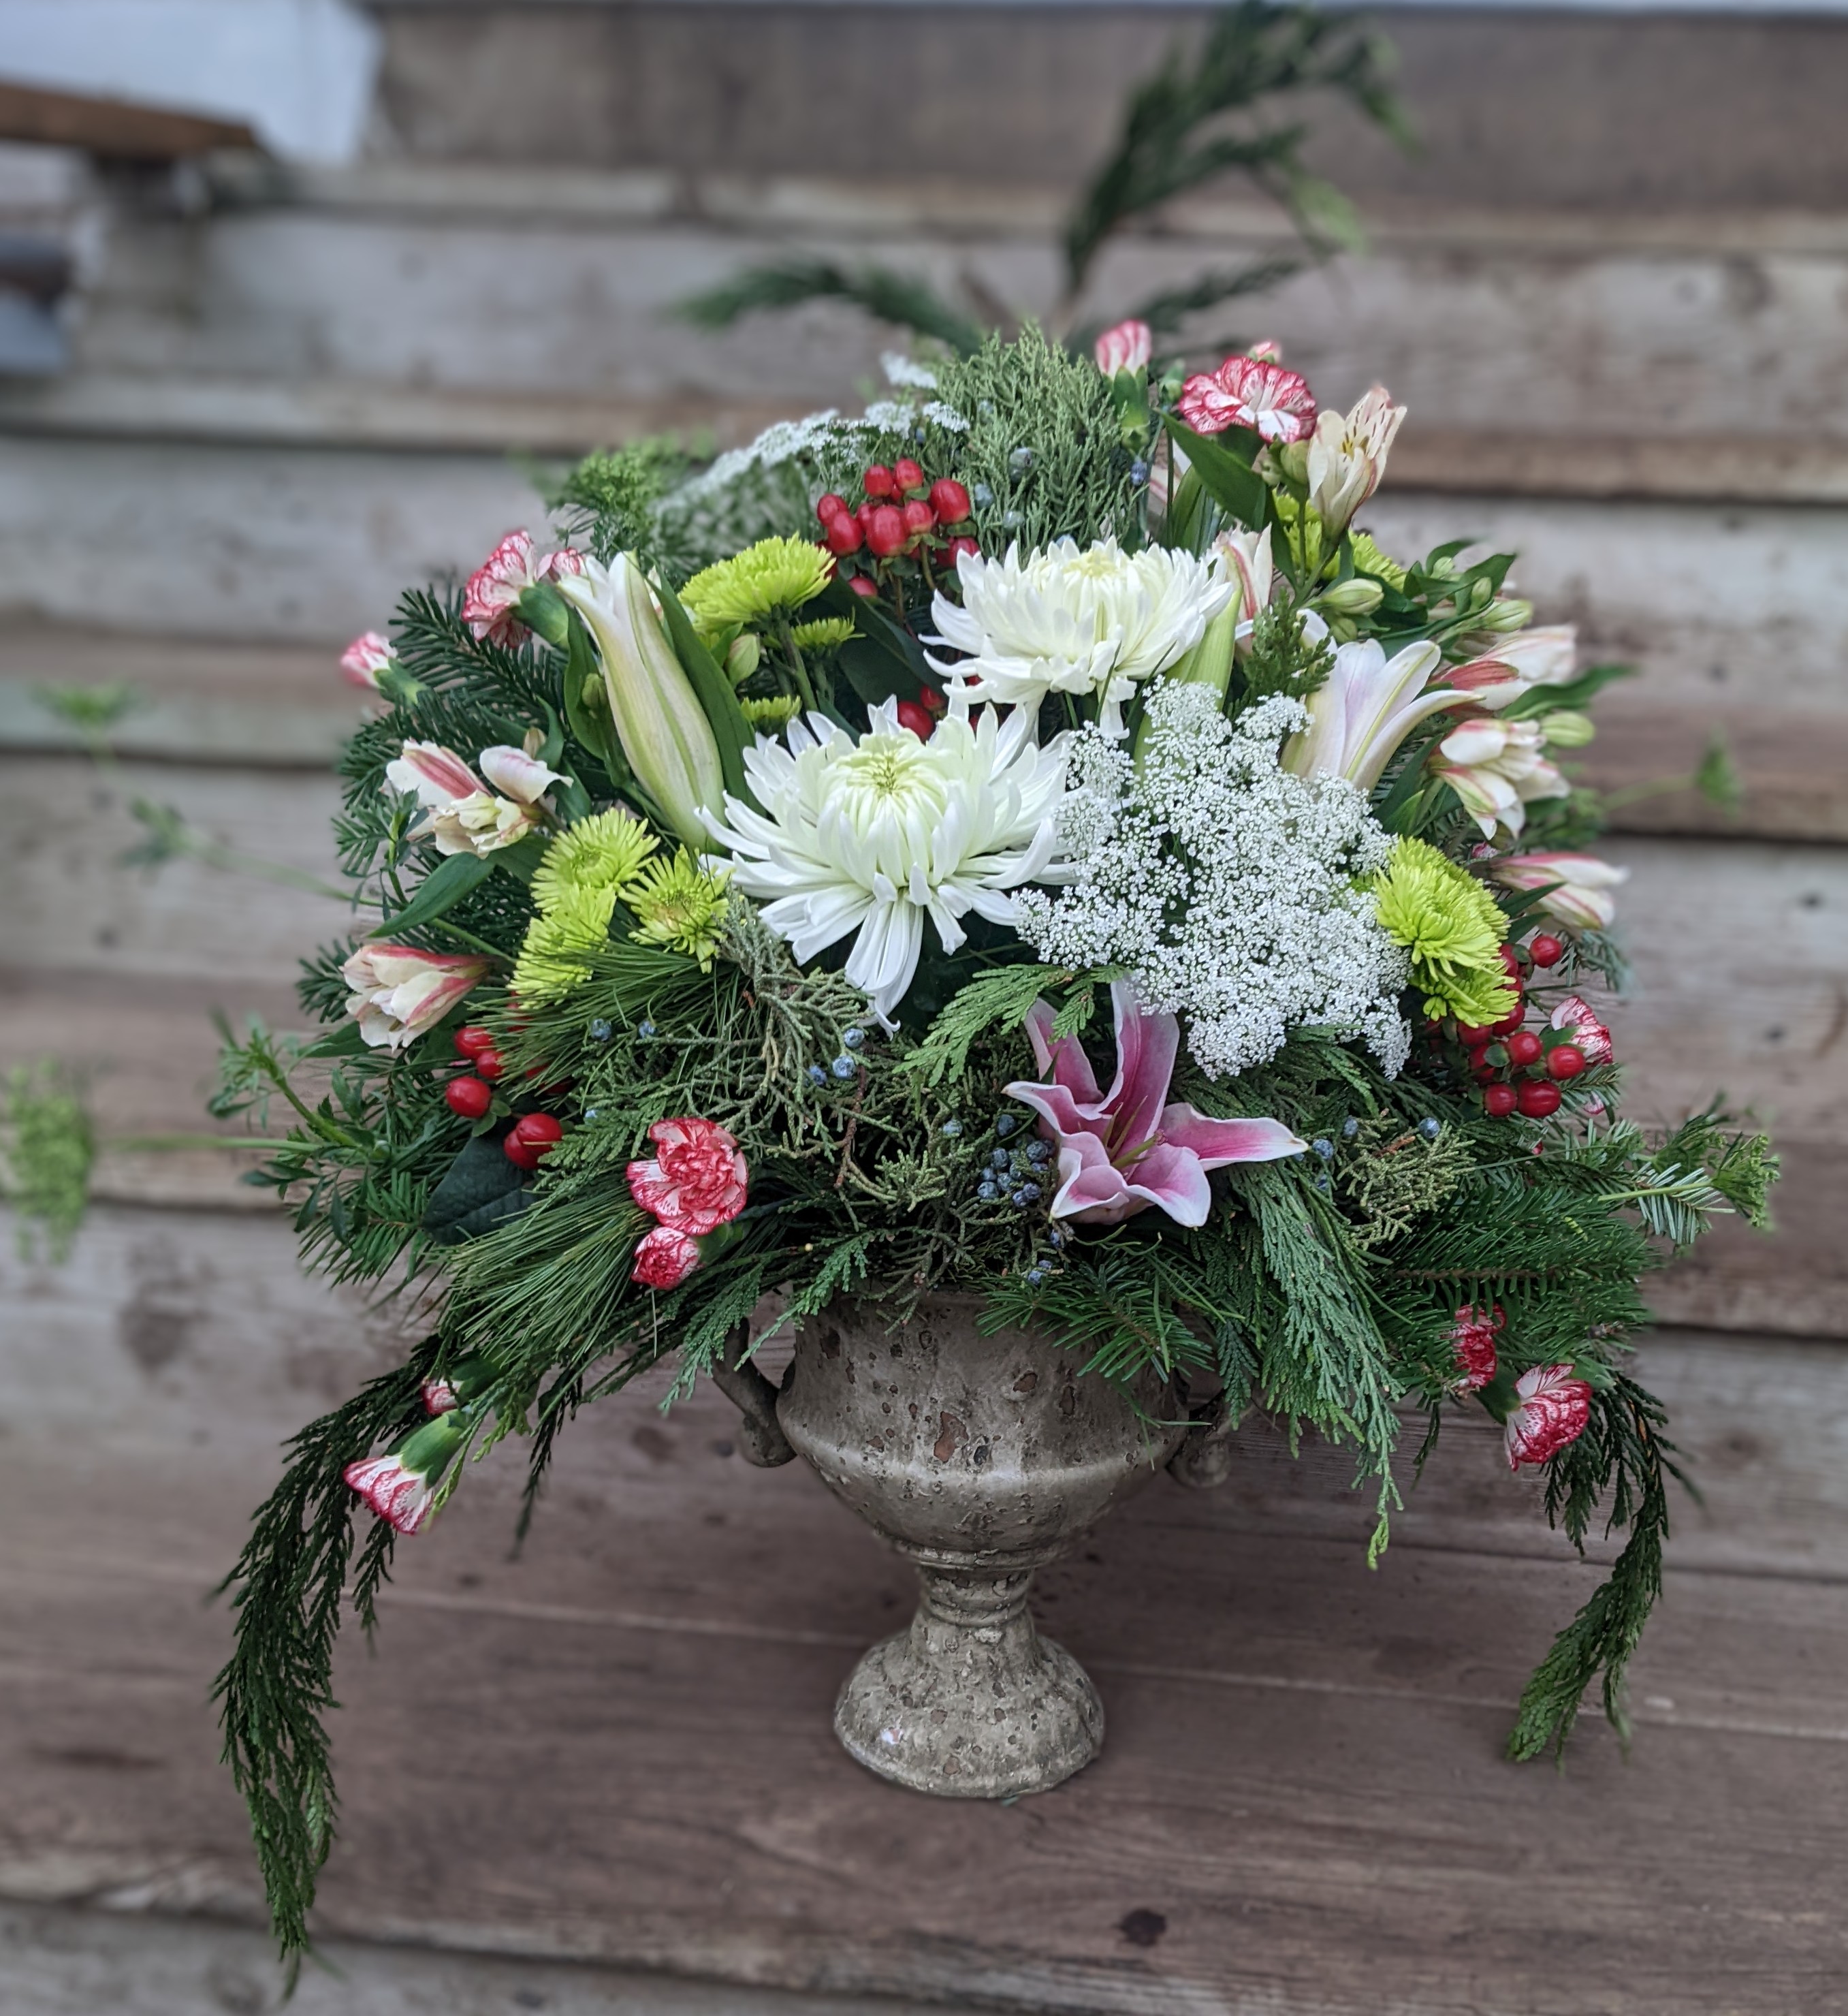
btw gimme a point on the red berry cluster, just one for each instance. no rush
(904, 513)
(1521, 1070)
(533, 1134)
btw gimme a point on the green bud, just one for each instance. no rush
(1507, 614)
(1565, 728)
(743, 658)
(542, 610)
(1355, 597)
(1292, 458)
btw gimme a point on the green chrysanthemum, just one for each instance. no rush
(679, 905)
(824, 633)
(767, 716)
(771, 579)
(552, 958)
(1368, 559)
(599, 853)
(1453, 928)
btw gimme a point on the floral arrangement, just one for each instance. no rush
(1022, 839)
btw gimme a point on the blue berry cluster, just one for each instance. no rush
(1014, 1175)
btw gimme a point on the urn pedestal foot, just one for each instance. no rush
(971, 1702)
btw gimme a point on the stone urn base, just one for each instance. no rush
(979, 1458)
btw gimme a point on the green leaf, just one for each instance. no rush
(522, 860)
(445, 886)
(481, 1189)
(1227, 474)
(713, 690)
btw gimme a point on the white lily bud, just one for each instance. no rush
(743, 658)
(1507, 612)
(663, 728)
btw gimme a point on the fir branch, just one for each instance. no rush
(901, 298)
(1191, 122)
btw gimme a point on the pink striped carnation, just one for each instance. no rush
(1249, 392)
(492, 597)
(1574, 1016)
(1553, 1406)
(402, 1497)
(1472, 1339)
(1126, 346)
(698, 1180)
(664, 1258)
(369, 654)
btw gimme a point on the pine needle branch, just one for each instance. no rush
(902, 298)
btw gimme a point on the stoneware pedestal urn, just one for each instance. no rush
(978, 1458)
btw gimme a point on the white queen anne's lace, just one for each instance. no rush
(1223, 884)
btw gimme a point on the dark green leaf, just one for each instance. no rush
(482, 1189)
(445, 885)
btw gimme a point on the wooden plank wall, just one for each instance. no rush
(618, 1752)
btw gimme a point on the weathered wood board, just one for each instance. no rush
(618, 1749)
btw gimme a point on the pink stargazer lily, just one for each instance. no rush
(1122, 1151)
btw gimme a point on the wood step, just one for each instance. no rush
(1302, 1784)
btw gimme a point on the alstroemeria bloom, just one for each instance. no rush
(1577, 886)
(460, 813)
(399, 992)
(1347, 457)
(1553, 1406)
(698, 1180)
(1530, 658)
(491, 600)
(401, 1487)
(369, 655)
(664, 1258)
(1365, 708)
(875, 835)
(1574, 1016)
(1248, 392)
(1124, 347)
(1472, 1341)
(1121, 1150)
(1496, 768)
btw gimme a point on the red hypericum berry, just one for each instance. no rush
(1472, 1035)
(488, 1065)
(1565, 1060)
(538, 1130)
(877, 481)
(829, 504)
(1511, 1021)
(1537, 1098)
(1511, 960)
(868, 590)
(907, 475)
(518, 1153)
(912, 716)
(932, 702)
(1546, 950)
(843, 535)
(471, 1097)
(472, 1039)
(962, 543)
(1524, 1048)
(886, 532)
(1501, 1100)
(862, 513)
(949, 500)
(1483, 1071)
(918, 517)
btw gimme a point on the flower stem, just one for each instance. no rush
(796, 662)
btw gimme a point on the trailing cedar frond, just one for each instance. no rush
(1622, 1452)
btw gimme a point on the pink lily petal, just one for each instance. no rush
(1146, 1048)
(1063, 1056)
(1217, 1143)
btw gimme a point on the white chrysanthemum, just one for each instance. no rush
(1224, 885)
(1090, 620)
(875, 835)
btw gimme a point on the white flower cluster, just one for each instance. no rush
(902, 370)
(1224, 885)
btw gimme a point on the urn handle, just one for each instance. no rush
(761, 1440)
(1204, 1461)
